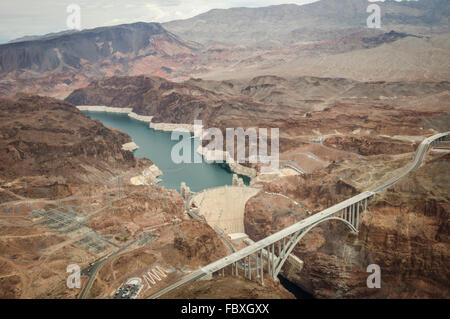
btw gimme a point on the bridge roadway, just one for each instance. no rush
(264, 243)
(347, 211)
(294, 168)
(418, 158)
(303, 224)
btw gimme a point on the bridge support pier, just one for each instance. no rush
(257, 265)
(262, 267)
(245, 266)
(352, 214)
(272, 259)
(249, 268)
(357, 217)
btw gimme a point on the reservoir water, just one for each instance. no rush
(157, 147)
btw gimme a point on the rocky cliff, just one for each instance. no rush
(167, 101)
(263, 99)
(49, 142)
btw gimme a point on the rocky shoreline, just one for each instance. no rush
(117, 110)
(101, 108)
(149, 176)
(166, 127)
(221, 156)
(170, 127)
(131, 146)
(142, 118)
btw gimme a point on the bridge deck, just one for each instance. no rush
(215, 266)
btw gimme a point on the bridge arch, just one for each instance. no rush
(287, 250)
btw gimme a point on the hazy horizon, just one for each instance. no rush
(32, 18)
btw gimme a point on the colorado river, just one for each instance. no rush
(157, 146)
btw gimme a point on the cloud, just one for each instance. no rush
(30, 17)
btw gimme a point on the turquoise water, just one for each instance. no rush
(157, 146)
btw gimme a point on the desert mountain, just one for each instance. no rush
(170, 102)
(40, 37)
(328, 38)
(70, 59)
(121, 43)
(182, 102)
(282, 25)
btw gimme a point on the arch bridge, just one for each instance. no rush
(272, 251)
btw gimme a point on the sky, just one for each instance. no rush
(37, 17)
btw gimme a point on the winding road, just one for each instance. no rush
(92, 270)
(418, 158)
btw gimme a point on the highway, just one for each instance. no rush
(92, 270)
(418, 158)
(294, 168)
(293, 201)
(196, 275)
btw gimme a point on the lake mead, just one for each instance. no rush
(157, 146)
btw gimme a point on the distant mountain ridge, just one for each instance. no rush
(40, 37)
(70, 49)
(250, 100)
(289, 23)
(56, 64)
(239, 43)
